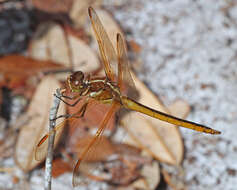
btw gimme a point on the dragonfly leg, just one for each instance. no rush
(78, 114)
(71, 98)
(82, 111)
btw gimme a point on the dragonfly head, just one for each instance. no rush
(76, 82)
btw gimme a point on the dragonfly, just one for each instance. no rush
(110, 90)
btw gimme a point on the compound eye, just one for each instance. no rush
(76, 83)
(77, 78)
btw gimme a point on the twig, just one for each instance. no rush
(49, 158)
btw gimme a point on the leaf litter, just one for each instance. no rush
(73, 52)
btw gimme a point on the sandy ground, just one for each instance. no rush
(189, 51)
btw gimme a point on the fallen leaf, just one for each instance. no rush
(31, 133)
(160, 139)
(49, 43)
(124, 165)
(73, 53)
(135, 47)
(60, 167)
(173, 181)
(53, 6)
(110, 24)
(111, 27)
(150, 180)
(84, 58)
(149, 172)
(79, 11)
(16, 69)
(122, 162)
(152, 174)
(100, 152)
(179, 108)
(82, 127)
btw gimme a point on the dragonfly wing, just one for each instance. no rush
(42, 146)
(77, 174)
(107, 51)
(124, 76)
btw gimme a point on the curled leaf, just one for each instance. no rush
(31, 133)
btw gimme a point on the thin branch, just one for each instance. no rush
(49, 158)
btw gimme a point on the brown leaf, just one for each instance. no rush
(84, 58)
(110, 24)
(160, 139)
(81, 128)
(150, 180)
(173, 181)
(77, 33)
(53, 6)
(135, 47)
(79, 11)
(53, 46)
(16, 69)
(103, 149)
(31, 133)
(60, 167)
(112, 28)
(179, 108)
(125, 165)
(152, 174)
(49, 43)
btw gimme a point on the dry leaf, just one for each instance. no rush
(152, 177)
(110, 24)
(127, 168)
(16, 69)
(173, 181)
(134, 46)
(169, 134)
(151, 174)
(79, 11)
(111, 28)
(148, 182)
(144, 135)
(53, 46)
(80, 128)
(98, 153)
(50, 45)
(31, 133)
(179, 108)
(53, 6)
(60, 167)
(165, 143)
(84, 58)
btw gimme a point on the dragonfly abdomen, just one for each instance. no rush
(135, 106)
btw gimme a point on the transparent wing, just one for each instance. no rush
(125, 80)
(82, 168)
(107, 51)
(42, 146)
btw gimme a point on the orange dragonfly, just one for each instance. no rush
(109, 90)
